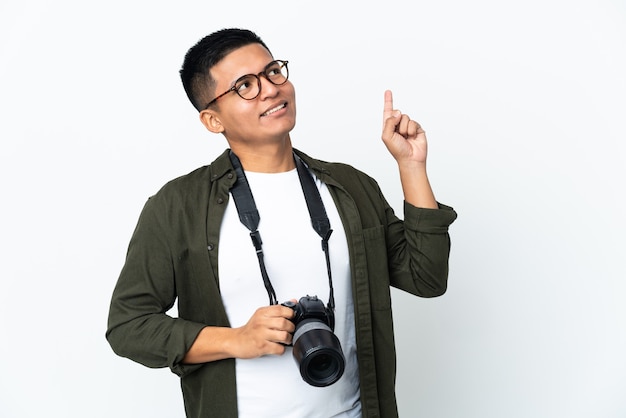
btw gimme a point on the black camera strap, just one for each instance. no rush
(249, 216)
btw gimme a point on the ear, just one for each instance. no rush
(211, 121)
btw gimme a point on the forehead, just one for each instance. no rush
(249, 59)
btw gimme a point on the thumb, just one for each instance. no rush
(390, 124)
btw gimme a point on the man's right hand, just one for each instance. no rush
(266, 332)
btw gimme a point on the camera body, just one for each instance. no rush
(316, 349)
(310, 307)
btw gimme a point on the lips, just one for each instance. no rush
(274, 109)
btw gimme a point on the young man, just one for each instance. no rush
(229, 346)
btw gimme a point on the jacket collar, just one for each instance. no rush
(313, 164)
(222, 165)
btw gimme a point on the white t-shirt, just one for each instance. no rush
(271, 386)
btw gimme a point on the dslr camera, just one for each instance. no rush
(316, 348)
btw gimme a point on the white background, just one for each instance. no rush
(524, 107)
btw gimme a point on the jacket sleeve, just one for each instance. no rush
(138, 326)
(419, 249)
(410, 254)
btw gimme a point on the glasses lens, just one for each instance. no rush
(277, 72)
(247, 87)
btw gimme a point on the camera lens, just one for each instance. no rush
(317, 351)
(322, 367)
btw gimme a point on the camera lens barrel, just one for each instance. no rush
(317, 351)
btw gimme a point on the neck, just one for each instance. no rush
(269, 158)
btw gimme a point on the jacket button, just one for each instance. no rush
(220, 200)
(210, 247)
(230, 175)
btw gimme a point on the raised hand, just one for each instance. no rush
(405, 139)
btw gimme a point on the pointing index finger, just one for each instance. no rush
(388, 108)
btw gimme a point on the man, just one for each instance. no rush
(230, 348)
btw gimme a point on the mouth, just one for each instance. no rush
(274, 109)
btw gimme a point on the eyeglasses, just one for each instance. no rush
(248, 87)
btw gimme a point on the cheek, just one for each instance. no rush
(244, 111)
(292, 89)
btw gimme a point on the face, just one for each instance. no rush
(267, 118)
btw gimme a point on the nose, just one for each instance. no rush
(268, 89)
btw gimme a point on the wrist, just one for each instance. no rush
(412, 167)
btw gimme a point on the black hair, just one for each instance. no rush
(195, 72)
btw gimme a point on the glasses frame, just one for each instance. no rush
(283, 63)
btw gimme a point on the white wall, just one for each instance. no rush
(524, 106)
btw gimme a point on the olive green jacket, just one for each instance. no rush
(173, 253)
